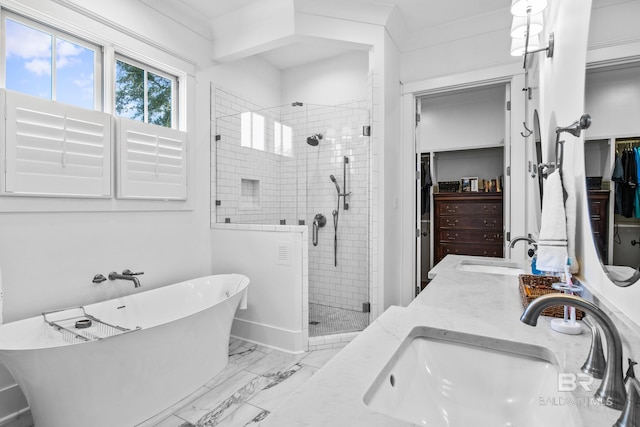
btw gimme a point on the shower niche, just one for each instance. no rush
(290, 165)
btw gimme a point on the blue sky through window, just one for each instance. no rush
(29, 68)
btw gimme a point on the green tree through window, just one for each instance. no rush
(132, 84)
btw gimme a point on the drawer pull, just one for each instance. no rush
(489, 223)
(489, 239)
(452, 236)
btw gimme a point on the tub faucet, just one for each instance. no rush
(127, 275)
(611, 390)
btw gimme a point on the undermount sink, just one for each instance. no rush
(492, 267)
(441, 378)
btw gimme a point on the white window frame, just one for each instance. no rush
(98, 77)
(112, 40)
(150, 69)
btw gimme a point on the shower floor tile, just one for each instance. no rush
(325, 320)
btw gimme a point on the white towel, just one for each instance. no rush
(571, 207)
(552, 241)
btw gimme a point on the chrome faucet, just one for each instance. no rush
(528, 239)
(630, 416)
(611, 391)
(126, 275)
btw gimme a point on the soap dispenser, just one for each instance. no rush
(534, 259)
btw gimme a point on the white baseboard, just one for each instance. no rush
(269, 336)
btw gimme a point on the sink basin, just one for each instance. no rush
(492, 267)
(442, 378)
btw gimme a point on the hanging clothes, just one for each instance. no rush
(425, 185)
(636, 204)
(618, 178)
(629, 166)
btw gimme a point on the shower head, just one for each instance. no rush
(333, 179)
(314, 139)
(576, 127)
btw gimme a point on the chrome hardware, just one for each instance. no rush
(528, 239)
(595, 363)
(127, 275)
(319, 221)
(630, 373)
(611, 391)
(630, 416)
(98, 278)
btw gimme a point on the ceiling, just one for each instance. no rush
(416, 15)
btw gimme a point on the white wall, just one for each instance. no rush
(275, 261)
(252, 78)
(463, 120)
(483, 163)
(395, 277)
(332, 81)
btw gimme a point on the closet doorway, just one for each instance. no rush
(460, 146)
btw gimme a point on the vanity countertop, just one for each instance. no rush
(475, 303)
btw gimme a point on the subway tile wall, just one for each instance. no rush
(261, 187)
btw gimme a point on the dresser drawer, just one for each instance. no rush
(470, 236)
(489, 250)
(490, 208)
(469, 223)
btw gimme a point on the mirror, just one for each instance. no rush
(612, 191)
(619, 252)
(537, 136)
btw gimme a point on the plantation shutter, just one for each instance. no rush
(54, 149)
(152, 163)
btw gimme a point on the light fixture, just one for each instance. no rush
(527, 7)
(527, 24)
(518, 45)
(519, 26)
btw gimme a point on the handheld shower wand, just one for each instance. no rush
(333, 179)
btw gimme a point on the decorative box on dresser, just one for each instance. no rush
(598, 213)
(468, 224)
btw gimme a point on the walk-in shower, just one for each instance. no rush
(305, 164)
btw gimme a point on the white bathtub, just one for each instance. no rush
(178, 341)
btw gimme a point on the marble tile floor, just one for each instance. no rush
(255, 382)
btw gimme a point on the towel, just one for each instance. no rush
(552, 241)
(571, 209)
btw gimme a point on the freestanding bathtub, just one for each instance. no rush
(141, 354)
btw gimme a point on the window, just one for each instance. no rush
(50, 64)
(252, 130)
(282, 139)
(144, 94)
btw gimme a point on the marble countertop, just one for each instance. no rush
(476, 303)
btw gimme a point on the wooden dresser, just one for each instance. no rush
(468, 224)
(598, 213)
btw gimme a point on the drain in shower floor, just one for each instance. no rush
(314, 322)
